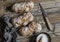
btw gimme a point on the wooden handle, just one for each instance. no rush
(47, 22)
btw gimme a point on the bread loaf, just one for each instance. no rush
(22, 20)
(23, 7)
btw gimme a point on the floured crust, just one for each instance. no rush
(30, 29)
(36, 26)
(26, 31)
(23, 7)
(22, 20)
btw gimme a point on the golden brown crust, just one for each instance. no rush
(23, 7)
(22, 20)
(26, 31)
(29, 30)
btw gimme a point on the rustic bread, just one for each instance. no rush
(23, 7)
(30, 29)
(22, 20)
(26, 31)
(36, 26)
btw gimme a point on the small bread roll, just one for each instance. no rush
(18, 7)
(31, 5)
(22, 20)
(23, 7)
(36, 26)
(26, 31)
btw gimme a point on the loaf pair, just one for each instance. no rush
(30, 29)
